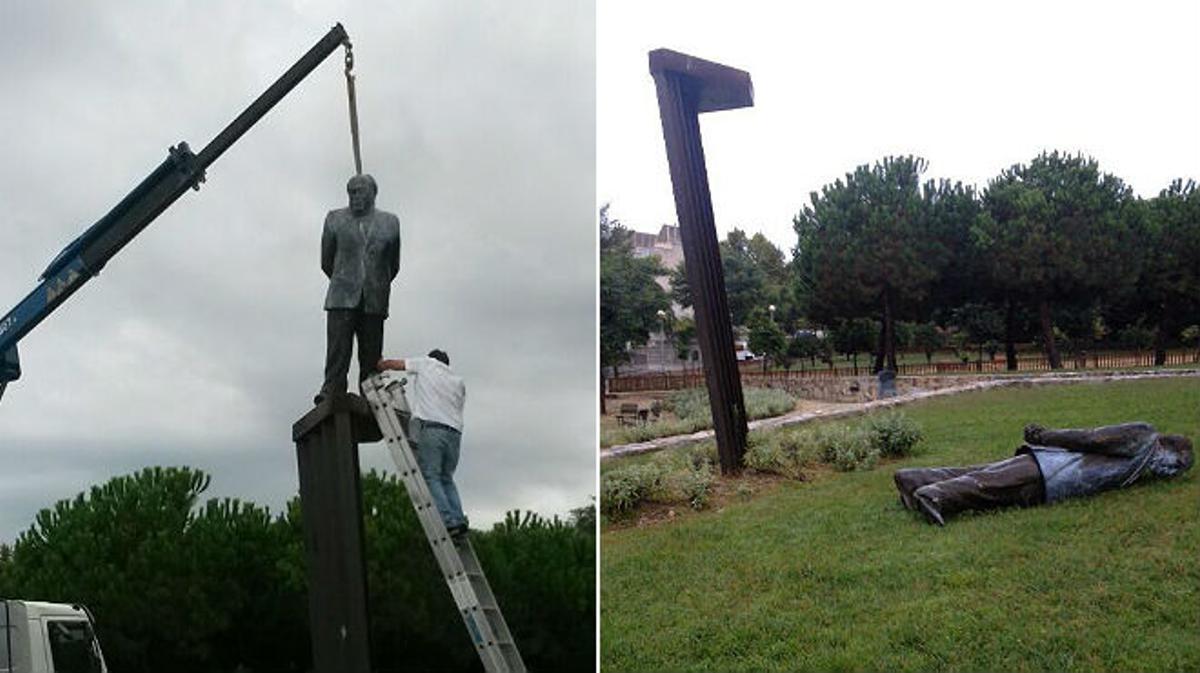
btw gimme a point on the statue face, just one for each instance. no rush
(362, 197)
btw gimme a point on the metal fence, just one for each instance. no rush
(753, 376)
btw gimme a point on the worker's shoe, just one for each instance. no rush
(458, 532)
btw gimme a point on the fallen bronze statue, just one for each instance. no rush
(1050, 466)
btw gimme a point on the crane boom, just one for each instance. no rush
(83, 258)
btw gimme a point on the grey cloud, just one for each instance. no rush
(202, 342)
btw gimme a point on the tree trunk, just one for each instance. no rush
(1160, 342)
(1010, 335)
(602, 381)
(887, 336)
(877, 364)
(1048, 334)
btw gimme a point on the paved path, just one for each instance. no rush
(795, 417)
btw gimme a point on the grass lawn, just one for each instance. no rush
(834, 575)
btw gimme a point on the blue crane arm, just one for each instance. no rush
(86, 255)
(83, 258)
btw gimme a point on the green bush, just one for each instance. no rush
(1136, 337)
(846, 448)
(894, 434)
(640, 433)
(786, 452)
(703, 455)
(694, 414)
(763, 457)
(767, 402)
(624, 488)
(690, 403)
(694, 485)
(760, 403)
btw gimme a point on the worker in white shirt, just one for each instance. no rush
(437, 400)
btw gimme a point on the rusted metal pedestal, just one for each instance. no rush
(688, 86)
(327, 440)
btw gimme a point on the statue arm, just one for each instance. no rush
(1113, 440)
(328, 246)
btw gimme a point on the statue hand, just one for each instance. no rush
(1033, 433)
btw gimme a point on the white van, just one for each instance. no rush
(48, 638)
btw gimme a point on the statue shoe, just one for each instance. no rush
(929, 509)
(905, 493)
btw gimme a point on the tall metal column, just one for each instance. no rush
(327, 441)
(688, 86)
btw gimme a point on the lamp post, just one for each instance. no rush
(771, 310)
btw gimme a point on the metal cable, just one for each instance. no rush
(353, 108)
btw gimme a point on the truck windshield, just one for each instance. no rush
(72, 648)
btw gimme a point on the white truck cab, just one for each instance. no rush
(48, 638)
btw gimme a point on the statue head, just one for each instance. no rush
(362, 190)
(1173, 457)
(440, 355)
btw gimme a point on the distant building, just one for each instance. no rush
(659, 353)
(666, 246)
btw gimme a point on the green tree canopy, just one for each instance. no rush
(745, 280)
(1053, 231)
(866, 246)
(851, 337)
(630, 296)
(1168, 285)
(179, 586)
(766, 337)
(169, 580)
(756, 276)
(929, 339)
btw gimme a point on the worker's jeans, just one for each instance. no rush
(437, 454)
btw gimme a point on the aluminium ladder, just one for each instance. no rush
(456, 557)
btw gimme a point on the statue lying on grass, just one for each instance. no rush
(1051, 465)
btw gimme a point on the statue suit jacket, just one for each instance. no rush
(361, 256)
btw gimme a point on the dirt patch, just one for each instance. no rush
(724, 491)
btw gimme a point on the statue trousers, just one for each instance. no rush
(343, 326)
(1013, 481)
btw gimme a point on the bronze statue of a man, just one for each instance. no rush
(360, 253)
(1051, 465)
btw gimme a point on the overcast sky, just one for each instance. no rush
(973, 87)
(203, 341)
